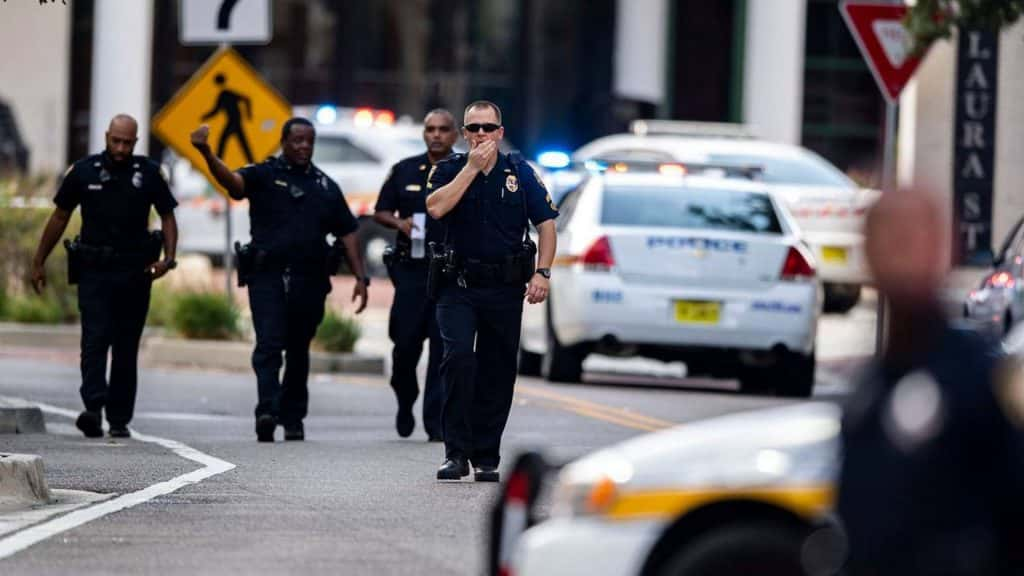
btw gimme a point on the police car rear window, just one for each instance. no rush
(807, 170)
(690, 208)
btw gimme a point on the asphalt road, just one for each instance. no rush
(353, 498)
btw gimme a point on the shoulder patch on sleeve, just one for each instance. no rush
(540, 181)
(1008, 387)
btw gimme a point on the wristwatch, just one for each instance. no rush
(545, 272)
(366, 281)
(171, 264)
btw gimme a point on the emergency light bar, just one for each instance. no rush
(747, 171)
(694, 129)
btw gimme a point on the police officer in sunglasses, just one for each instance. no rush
(293, 206)
(486, 200)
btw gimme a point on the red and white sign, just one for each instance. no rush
(884, 42)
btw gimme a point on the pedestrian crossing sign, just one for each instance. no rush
(244, 112)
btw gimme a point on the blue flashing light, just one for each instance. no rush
(553, 159)
(595, 166)
(326, 114)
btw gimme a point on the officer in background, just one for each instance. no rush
(413, 317)
(933, 445)
(114, 262)
(485, 199)
(293, 206)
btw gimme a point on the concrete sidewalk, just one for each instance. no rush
(159, 349)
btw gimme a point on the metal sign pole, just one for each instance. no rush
(228, 260)
(888, 187)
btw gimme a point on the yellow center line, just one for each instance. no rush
(618, 416)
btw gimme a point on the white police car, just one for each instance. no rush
(736, 495)
(827, 205)
(654, 262)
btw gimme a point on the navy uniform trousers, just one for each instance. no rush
(479, 381)
(413, 319)
(113, 304)
(286, 311)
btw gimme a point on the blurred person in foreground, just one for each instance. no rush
(932, 438)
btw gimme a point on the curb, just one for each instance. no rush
(20, 418)
(237, 356)
(158, 350)
(22, 480)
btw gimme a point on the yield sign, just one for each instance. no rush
(884, 42)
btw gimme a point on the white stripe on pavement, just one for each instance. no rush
(211, 467)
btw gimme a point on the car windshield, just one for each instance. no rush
(804, 170)
(692, 208)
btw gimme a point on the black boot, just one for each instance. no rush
(294, 432)
(454, 468)
(405, 422)
(265, 425)
(90, 423)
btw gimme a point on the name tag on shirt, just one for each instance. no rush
(414, 188)
(95, 186)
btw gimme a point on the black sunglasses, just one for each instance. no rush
(487, 127)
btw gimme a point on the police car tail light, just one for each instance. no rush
(1001, 280)
(797, 266)
(599, 256)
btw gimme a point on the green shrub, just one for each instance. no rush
(337, 333)
(161, 306)
(204, 315)
(34, 310)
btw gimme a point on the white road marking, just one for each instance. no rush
(211, 467)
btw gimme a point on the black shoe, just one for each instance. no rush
(405, 422)
(294, 432)
(265, 425)
(486, 474)
(453, 469)
(90, 423)
(119, 431)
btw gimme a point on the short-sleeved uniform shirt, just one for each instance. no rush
(116, 199)
(292, 209)
(490, 220)
(405, 191)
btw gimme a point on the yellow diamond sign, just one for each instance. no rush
(245, 114)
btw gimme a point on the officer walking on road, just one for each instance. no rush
(413, 317)
(293, 206)
(486, 200)
(933, 434)
(114, 262)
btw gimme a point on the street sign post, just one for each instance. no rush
(886, 46)
(245, 115)
(206, 22)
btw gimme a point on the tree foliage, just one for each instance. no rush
(930, 20)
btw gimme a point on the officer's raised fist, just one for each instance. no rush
(199, 137)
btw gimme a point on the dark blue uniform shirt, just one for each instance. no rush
(933, 456)
(292, 209)
(490, 221)
(405, 191)
(115, 198)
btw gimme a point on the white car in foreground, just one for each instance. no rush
(736, 495)
(709, 271)
(827, 205)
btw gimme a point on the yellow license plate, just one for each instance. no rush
(697, 312)
(834, 254)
